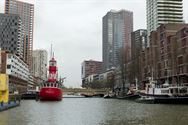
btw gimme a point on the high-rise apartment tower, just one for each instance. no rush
(26, 13)
(163, 12)
(39, 67)
(11, 34)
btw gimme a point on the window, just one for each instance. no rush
(183, 42)
(168, 40)
(166, 63)
(162, 43)
(8, 66)
(180, 60)
(162, 36)
(164, 91)
(180, 69)
(162, 57)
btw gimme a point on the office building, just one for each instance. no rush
(117, 28)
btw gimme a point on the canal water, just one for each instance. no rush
(94, 111)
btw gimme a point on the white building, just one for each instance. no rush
(16, 67)
(162, 12)
(39, 67)
(17, 71)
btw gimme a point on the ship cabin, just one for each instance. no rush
(170, 90)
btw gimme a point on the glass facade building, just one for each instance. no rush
(117, 28)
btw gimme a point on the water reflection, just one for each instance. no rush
(94, 111)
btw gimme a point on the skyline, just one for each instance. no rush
(78, 33)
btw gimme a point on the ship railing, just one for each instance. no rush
(51, 85)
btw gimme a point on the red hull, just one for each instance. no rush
(50, 94)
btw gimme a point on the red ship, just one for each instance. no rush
(51, 90)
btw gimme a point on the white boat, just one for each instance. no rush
(165, 93)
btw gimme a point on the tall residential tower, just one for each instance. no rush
(11, 34)
(163, 12)
(117, 28)
(26, 13)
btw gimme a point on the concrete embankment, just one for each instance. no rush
(11, 104)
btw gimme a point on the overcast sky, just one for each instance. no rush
(74, 27)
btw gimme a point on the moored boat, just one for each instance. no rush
(165, 93)
(130, 96)
(30, 94)
(50, 93)
(51, 90)
(87, 95)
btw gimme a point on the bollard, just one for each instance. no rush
(36, 99)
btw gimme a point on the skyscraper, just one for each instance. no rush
(117, 28)
(26, 13)
(39, 67)
(162, 12)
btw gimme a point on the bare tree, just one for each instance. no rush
(122, 66)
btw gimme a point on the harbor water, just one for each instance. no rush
(94, 111)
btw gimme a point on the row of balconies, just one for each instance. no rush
(18, 68)
(17, 74)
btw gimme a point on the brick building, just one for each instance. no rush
(167, 57)
(91, 67)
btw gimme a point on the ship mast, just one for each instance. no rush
(51, 52)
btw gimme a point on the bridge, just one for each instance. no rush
(85, 91)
